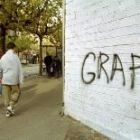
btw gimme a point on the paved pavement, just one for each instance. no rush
(38, 113)
(30, 69)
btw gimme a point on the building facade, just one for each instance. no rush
(102, 65)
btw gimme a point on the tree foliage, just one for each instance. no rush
(56, 37)
(37, 16)
(23, 42)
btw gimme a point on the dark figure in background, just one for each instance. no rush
(57, 66)
(48, 61)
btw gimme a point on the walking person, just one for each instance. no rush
(12, 76)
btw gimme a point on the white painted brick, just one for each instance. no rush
(111, 27)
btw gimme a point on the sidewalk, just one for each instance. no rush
(30, 69)
(38, 115)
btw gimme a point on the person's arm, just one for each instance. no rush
(0, 65)
(21, 77)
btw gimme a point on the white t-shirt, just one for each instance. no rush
(11, 69)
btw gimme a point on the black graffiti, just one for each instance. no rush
(100, 65)
(90, 73)
(115, 68)
(133, 68)
(104, 58)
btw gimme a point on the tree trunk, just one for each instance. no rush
(40, 57)
(3, 38)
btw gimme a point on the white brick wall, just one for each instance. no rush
(111, 27)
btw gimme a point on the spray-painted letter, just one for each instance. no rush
(100, 65)
(133, 69)
(114, 67)
(91, 73)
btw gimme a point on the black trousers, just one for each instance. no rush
(48, 70)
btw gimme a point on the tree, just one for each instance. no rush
(16, 14)
(23, 41)
(56, 38)
(40, 17)
(48, 23)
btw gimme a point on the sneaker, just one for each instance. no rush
(10, 110)
(8, 113)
